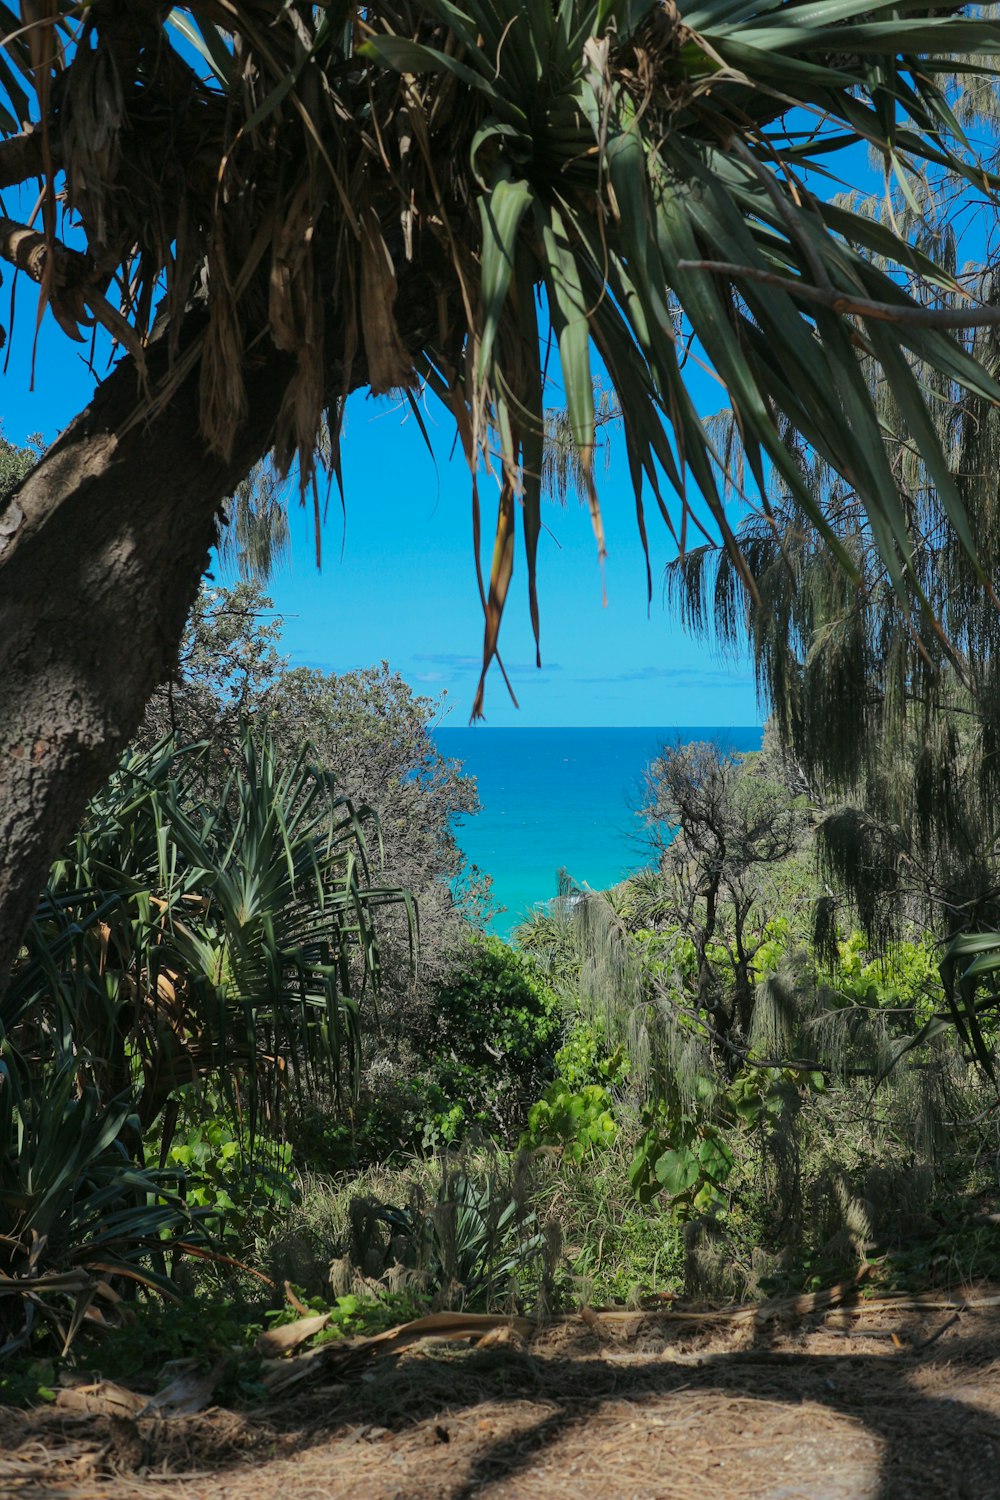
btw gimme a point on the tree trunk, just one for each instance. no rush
(706, 978)
(101, 552)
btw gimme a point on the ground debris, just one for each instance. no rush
(826, 1407)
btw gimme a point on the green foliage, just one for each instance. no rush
(15, 463)
(473, 1242)
(780, 1139)
(206, 1328)
(650, 208)
(579, 1121)
(585, 1058)
(229, 662)
(28, 1382)
(907, 979)
(367, 728)
(222, 934)
(208, 1331)
(576, 1112)
(187, 939)
(615, 1249)
(891, 722)
(687, 1148)
(486, 1042)
(678, 198)
(245, 1188)
(683, 1154)
(776, 939)
(726, 830)
(968, 969)
(77, 1215)
(351, 1315)
(496, 1001)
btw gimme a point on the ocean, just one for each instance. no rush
(561, 799)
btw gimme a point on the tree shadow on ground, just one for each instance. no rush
(931, 1444)
(905, 1425)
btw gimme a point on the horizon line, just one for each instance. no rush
(461, 728)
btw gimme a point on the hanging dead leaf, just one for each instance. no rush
(390, 365)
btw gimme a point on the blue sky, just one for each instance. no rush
(398, 580)
(404, 588)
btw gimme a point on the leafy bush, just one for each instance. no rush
(906, 979)
(684, 1155)
(687, 1147)
(586, 1058)
(486, 1043)
(244, 1188)
(351, 1314)
(578, 1121)
(615, 1249)
(471, 1244)
(195, 939)
(207, 1329)
(77, 1215)
(576, 1112)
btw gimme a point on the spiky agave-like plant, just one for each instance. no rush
(194, 934)
(422, 190)
(195, 939)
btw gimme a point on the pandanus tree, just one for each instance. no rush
(885, 697)
(267, 204)
(203, 946)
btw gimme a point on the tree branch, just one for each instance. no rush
(74, 297)
(101, 551)
(27, 250)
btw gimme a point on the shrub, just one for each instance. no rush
(244, 1187)
(579, 1121)
(486, 1043)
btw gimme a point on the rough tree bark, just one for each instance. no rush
(101, 552)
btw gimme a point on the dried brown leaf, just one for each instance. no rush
(274, 1342)
(390, 365)
(191, 1392)
(103, 1399)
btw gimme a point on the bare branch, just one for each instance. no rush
(26, 249)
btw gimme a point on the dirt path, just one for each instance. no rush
(903, 1406)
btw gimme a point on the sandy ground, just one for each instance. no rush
(901, 1403)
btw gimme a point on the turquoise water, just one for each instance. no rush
(561, 798)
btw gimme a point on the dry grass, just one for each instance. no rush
(856, 1404)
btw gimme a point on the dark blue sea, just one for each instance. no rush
(561, 798)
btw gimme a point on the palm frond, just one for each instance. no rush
(635, 180)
